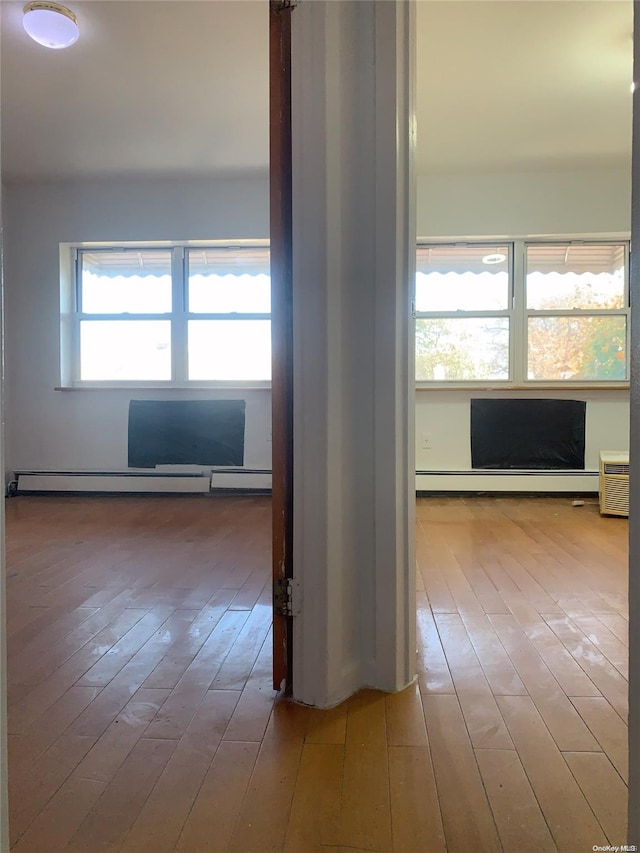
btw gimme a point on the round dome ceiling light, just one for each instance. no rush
(496, 258)
(50, 24)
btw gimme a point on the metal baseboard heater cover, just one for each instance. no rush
(157, 482)
(496, 480)
(252, 479)
(98, 481)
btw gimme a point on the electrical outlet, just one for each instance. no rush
(426, 441)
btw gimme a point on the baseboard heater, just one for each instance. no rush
(241, 479)
(26, 482)
(152, 482)
(109, 481)
(507, 481)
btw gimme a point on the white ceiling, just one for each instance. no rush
(521, 85)
(181, 87)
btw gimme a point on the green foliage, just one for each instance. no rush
(581, 347)
(453, 350)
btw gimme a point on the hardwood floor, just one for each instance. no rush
(142, 716)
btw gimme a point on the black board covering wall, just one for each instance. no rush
(537, 434)
(186, 432)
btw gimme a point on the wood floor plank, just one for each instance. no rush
(605, 791)
(569, 675)
(327, 725)
(604, 675)
(160, 822)
(21, 663)
(161, 623)
(466, 550)
(236, 669)
(433, 670)
(405, 718)
(608, 729)
(29, 793)
(264, 815)
(101, 623)
(60, 819)
(618, 625)
(366, 775)
(496, 664)
(430, 567)
(560, 716)
(415, 809)
(521, 824)
(466, 813)
(252, 713)
(315, 810)
(567, 812)
(176, 661)
(26, 748)
(106, 826)
(176, 713)
(611, 647)
(114, 745)
(212, 820)
(482, 716)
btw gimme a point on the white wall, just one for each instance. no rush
(527, 204)
(84, 429)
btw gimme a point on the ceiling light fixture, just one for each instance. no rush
(496, 258)
(50, 24)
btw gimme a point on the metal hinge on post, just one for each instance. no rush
(286, 597)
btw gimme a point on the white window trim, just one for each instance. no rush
(518, 315)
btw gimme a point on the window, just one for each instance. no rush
(172, 315)
(463, 299)
(576, 303)
(522, 313)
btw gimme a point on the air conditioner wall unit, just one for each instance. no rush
(614, 482)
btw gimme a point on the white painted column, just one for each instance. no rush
(353, 247)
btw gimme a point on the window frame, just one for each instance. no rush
(625, 312)
(460, 314)
(71, 315)
(519, 314)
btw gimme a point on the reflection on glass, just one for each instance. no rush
(580, 348)
(471, 349)
(125, 350)
(229, 349)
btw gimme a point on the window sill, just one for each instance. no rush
(193, 386)
(537, 386)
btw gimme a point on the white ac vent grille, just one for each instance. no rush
(614, 483)
(612, 468)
